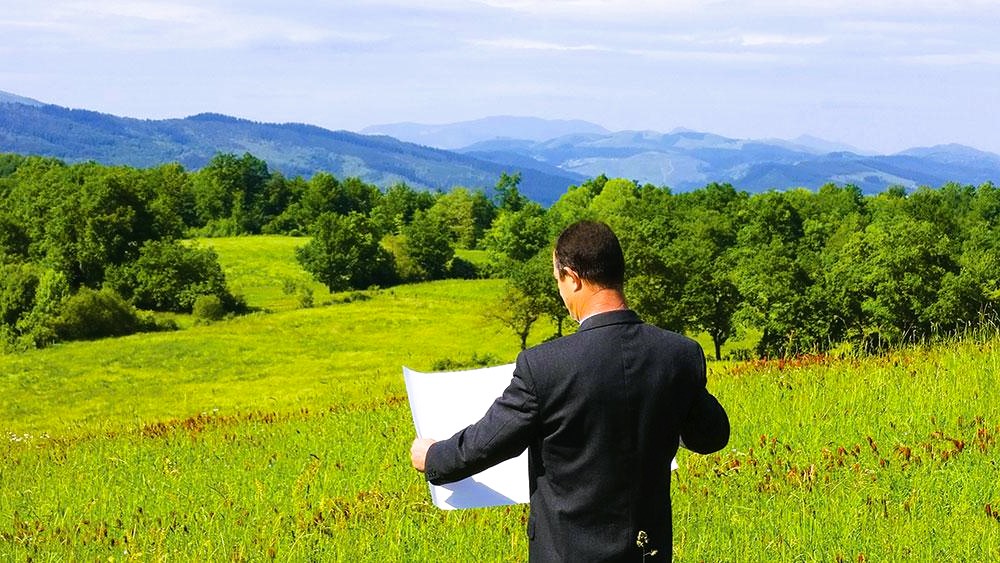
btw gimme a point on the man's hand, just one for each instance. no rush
(418, 452)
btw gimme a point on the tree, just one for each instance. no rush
(88, 217)
(615, 204)
(508, 197)
(231, 191)
(345, 253)
(395, 208)
(517, 235)
(14, 241)
(168, 190)
(534, 280)
(428, 246)
(18, 283)
(466, 215)
(646, 224)
(710, 299)
(572, 206)
(769, 275)
(516, 311)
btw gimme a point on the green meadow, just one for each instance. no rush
(284, 435)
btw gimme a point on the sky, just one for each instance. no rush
(881, 75)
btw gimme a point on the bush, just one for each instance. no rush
(462, 269)
(18, 284)
(90, 314)
(169, 276)
(208, 308)
(476, 361)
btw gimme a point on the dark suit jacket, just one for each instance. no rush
(601, 412)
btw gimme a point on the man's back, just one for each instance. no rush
(611, 402)
(600, 411)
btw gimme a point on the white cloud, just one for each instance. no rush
(533, 45)
(157, 26)
(952, 59)
(771, 39)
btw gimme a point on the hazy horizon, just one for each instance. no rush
(882, 75)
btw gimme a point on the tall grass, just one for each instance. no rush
(285, 436)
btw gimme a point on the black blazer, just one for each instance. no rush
(601, 412)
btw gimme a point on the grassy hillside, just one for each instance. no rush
(263, 270)
(286, 436)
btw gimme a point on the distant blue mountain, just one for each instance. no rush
(294, 149)
(550, 155)
(686, 160)
(458, 135)
(8, 98)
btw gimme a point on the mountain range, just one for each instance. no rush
(550, 154)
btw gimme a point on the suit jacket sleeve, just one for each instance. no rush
(503, 432)
(706, 427)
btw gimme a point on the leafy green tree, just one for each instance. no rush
(508, 196)
(283, 208)
(616, 203)
(14, 241)
(645, 222)
(428, 245)
(167, 189)
(395, 208)
(18, 283)
(326, 194)
(706, 235)
(534, 280)
(466, 215)
(516, 236)
(516, 311)
(572, 206)
(37, 327)
(770, 277)
(88, 217)
(345, 253)
(231, 192)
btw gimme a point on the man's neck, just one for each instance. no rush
(602, 300)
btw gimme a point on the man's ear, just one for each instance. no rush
(577, 280)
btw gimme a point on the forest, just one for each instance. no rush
(89, 251)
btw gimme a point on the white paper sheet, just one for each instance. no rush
(444, 403)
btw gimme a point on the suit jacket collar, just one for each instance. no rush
(621, 316)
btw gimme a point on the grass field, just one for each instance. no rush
(285, 436)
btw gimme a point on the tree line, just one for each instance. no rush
(85, 248)
(809, 270)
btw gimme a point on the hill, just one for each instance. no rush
(463, 134)
(687, 160)
(294, 149)
(550, 154)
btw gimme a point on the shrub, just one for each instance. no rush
(306, 299)
(476, 361)
(91, 314)
(459, 268)
(17, 291)
(208, 308)
(169, 276)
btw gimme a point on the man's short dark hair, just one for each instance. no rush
(591, 249)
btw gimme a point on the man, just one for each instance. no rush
(601, 412)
